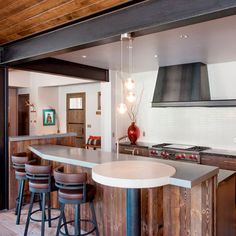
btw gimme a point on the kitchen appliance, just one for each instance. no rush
(185, 85)
(178, 152)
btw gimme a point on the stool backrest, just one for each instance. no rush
(38, 172)
(19, 160)
(70, 180)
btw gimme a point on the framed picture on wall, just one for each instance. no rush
(48, 117)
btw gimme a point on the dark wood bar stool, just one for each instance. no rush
(19, 160)
(40, 182)
(73, 189)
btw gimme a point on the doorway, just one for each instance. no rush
(23, 114)
(12, 112)
(76, 118)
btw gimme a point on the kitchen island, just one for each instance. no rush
(186, 206)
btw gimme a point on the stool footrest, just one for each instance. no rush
(46, 219)
(81, 220)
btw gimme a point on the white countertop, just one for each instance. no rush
(32, 137)
(133, 174)
(187, 174)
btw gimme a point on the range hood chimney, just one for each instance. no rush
(185, 85)
(180, 84)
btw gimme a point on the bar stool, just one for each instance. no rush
(19, 160)
(73, 189)
(40, 182)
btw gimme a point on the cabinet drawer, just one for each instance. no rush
(133, 150)
(222, 162)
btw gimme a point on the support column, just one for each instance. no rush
(4, 138)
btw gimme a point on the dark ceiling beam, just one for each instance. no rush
(64, 68)
(143, 18)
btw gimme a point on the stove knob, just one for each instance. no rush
(163, 154)
(183, 156)
(152, 152)
(191, 156)
(178, 156)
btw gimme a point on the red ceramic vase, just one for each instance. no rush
(133, 133)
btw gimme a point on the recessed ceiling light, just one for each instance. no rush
(155, 55)
(84, 56)
(183, 36)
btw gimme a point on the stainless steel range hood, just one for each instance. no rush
(185, 85)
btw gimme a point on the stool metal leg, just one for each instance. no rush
(18, 196)
(49, 210)
(43, 214)
(20, 200)
(62, 217)
(94, 217)
(77, 219)
(29, 214)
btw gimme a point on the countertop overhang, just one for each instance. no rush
(187, 175)
(46, 136)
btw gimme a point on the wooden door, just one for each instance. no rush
(76, 118)
(12, 112)
(23, 114)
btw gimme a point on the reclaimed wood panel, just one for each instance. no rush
(190, 211)
(168, 210)
(28, 17)
(22, 146)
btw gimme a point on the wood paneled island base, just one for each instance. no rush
(168, 210)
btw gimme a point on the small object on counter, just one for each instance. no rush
(133, 133)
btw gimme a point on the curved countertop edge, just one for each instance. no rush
(119, 183)
(187, 175)
(46, 136)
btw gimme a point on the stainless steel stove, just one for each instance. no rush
(178, 152)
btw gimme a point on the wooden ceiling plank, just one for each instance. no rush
(64, 8)
(15, 7)
(5, 3)
(47, 24)
(29, 12)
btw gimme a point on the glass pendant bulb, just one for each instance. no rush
(129, 83)
(131, 97)
(122, 108)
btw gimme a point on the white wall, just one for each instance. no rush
(18, 78)
(92, 119)
(214, 127)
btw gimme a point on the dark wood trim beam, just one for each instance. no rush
(3, 138)
(142, 18)
(65, 68)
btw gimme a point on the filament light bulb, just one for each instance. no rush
(122, 108)
(129, 83)
(131, 97)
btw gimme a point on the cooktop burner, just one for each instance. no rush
(180, 147)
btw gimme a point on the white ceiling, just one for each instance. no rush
(209, 42)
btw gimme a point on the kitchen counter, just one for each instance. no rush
(46, 136)
(187, 175)
(221, 152)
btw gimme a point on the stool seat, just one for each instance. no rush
(20, 173)
(77, 194)
(39, 184)
(73, 189)
(19, 160)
